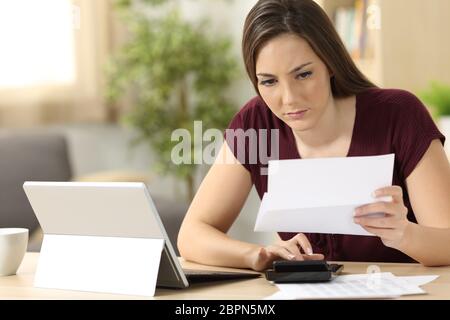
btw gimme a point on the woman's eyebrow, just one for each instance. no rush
(296, 69)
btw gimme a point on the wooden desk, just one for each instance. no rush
(20, 286)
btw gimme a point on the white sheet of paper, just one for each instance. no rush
(419, 280)
(320, 195)
(363, 286)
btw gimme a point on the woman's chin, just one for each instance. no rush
(299, 125)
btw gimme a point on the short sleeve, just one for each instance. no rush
(414, 132)
(233, 135)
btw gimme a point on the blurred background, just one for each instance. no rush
(91, 90)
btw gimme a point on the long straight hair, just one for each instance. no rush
(306, 19)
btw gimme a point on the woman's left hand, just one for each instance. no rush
(392, 227)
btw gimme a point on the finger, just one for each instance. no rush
(315, 256)
(381, 223)
(304, 243)
(377, 207)
(396, 192)
(293, 248)
(381, 233)
(283, 253)
(264, 254)
(264, 260)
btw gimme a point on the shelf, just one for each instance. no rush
(358, 24)
(408, 46)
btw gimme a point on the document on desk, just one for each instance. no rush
(320, 195)
(358, 286)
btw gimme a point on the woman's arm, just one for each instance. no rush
(218, 202)
(202, 237)
(429, 191)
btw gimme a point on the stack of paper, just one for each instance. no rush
(320, 195)
(362, 286)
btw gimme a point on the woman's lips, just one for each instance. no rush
(297, 115)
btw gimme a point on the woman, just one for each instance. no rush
(309, 88)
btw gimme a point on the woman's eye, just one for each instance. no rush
(267, 83)
(304, 75)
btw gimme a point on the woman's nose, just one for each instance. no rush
(288, 95)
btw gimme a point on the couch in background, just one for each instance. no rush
(45, 157)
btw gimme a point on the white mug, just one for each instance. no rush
(13, 245)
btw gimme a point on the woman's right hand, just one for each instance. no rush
(297, 248)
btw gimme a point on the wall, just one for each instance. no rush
(416, 45)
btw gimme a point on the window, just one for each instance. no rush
(36, 42)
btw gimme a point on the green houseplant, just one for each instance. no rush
(437, 96)
(178, 74)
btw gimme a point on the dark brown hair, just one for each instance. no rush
(305, 18)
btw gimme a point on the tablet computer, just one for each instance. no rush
(114, 210)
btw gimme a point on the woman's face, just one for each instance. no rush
(293, 81)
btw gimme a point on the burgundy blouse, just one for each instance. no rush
(387, 121)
